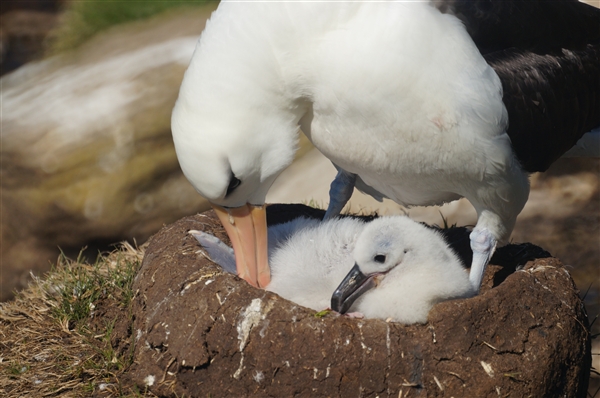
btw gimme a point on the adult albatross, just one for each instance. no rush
(422, 103)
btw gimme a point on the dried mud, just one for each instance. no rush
(202, 332)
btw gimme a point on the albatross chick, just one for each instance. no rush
(391, 267)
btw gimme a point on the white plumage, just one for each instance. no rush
(397, 95)
(248, 88)
(309, 259)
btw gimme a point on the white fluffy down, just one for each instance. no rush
(309, 258)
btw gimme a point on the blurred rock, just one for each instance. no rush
(36, 5)
(87, 154)
(24, 26)
(201, 332)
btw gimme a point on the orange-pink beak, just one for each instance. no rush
(247, 230)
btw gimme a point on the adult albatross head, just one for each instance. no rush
(233, 165)
(232, 141)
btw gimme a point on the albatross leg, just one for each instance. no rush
(340, 192)
(483, 245)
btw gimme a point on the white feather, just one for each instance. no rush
(310, 258)
(395, 92)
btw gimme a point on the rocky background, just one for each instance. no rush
(87, 159)
(24, 26)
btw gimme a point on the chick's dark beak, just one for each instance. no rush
(352, 287)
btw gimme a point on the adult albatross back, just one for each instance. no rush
(422, 103)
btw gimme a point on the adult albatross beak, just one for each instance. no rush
(354, 285)
(247, 229)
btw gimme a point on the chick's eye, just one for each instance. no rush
(234, 182)
(380, 258)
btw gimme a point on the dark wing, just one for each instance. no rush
(547, 55)
(535, 25)
(552, 100)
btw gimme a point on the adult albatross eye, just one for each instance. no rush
(380, 258)
(234, 182)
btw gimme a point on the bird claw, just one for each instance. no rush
(483, 245)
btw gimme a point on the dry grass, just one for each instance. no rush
(47, 344)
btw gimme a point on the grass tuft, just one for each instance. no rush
(16, 368)
(81, 285)
(51, 340)
(314, 204)
(445, 223)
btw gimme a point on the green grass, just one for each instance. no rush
(76, 296)
(314, 204)
(446, 224)
(109, 359)
(60, 331)
(17, 368)
(83, 285)
(83, 19)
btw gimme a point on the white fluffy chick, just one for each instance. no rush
(389, 268)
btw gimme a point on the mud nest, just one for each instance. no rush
(202, 332)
